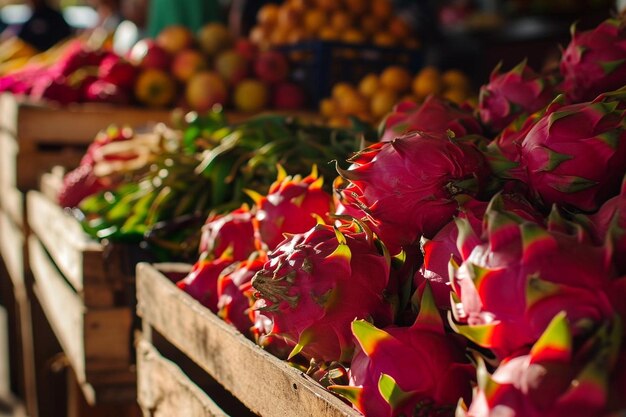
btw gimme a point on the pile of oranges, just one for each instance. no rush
(376, 94)
(349, 21)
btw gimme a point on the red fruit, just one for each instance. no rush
(55, 89)
(118, 71)
(77, 185)
(75, 58)
(246, 48)
(201, 283)
(271, 67)
(147, 54)
(232, 233)
(288, 96)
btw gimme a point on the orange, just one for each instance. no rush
(267, 15)
(341, 20)
(155, 88)
(314, 20)
(382, 102)
(259, 36)
(353, 103)
(427, 81)
(357, 7)
(396, 78)
(353, 35)
(329, 107)
(342, 89)
(289, 17)
(328, 34)
(338, 122)
(369, 84)
(299, 5)
(370, 24)
(454, 78)
(328, 5)
(280, 35)
(382, 9)
(455, 95)
(399, 28)
(297, 35)
(384, 39)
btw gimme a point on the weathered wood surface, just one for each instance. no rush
(12, 243)
(95, 340)
(163, 389)
(263, 383)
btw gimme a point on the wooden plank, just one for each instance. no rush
(164, 390)
(8, 169)
(12, 250)
(262, 382)
(96, 341)
(30, 165)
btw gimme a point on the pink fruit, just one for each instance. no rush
(288, 96)
(594, 62)
(118, 71)
(78, 184)
(55, 89)
(232, 233)
(75, 58)
(271, 67)
(148, 54)
(201, 282)
(410, 371)
(290, 206)
(410, 184)
(509, 95)
(315, 284)
(433, 115)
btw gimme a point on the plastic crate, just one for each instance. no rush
(318, 65)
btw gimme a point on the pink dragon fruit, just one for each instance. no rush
(234, 292)
(553, 380)
(408, 371)
(434, 115)
(201, 282)
(595, 61)
(509, 287)
(263, 335)
(315, 284)
(232, 232)
(289, 207)
(509, 95)
(409, 185)
(575, 155)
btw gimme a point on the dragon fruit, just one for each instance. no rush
(289, 207)
(434, 115)
(410, 185)
(262, 332)
(201, 282)
(595, 61)
(408, 371)
(234, 292)
(509, 286)
(232, 232)
(575, 155)
(315, 284)
(504, 152)
(552, 380)
(509, 95)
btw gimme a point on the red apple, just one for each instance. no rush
(147, 54)
(175, 38)
(271, 67)
(204, 90)
(186, 63)
(232, 66)
(118, 71)
(246, 48)
(288, 96)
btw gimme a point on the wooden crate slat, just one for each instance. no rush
(96, 341)
(12, 243)
(163, 390)
(265, 384)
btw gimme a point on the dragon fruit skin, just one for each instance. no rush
(201, 282)
(435, 115)
(595, 61)
(315, 284)
(289, 207)
(552, 380)
(509, 287)
(417, 370)
(410, 184)
(575, 155)
(511, 94)
(234, 292)
(232, 232)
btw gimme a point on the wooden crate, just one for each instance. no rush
(264, 384)
(35, 137)
(12, 245)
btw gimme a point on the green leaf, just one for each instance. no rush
(391, 391)
(555, 343)
(368, 336)
(609, 66)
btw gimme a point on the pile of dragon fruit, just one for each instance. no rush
(471, 263)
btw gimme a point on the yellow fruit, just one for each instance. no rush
(155, 88)
(267, 16)
(353, 104)
(289, 18)
(338, 122)
(384, 39)
(214, 37)
(314, 20)
(357, 7)
(250, 96)
(259, 35)
(353, 35)
(340, 21)
(342, 89)
(328, 34)
(382, 102)
(329, 107)
(427, 82)
(455, 95)
(396, 78)
(370, 24)
(455, 79)
(382, 9)
(369, 84)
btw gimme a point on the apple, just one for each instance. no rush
(271, 67)
(118, 71)
(147, 54)
(232, 66)
(288, 96)
(175, 38)
(251, 96)
(186, 63)
(155, 88)
(213, 38)
(247, 48)
(205, 89)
